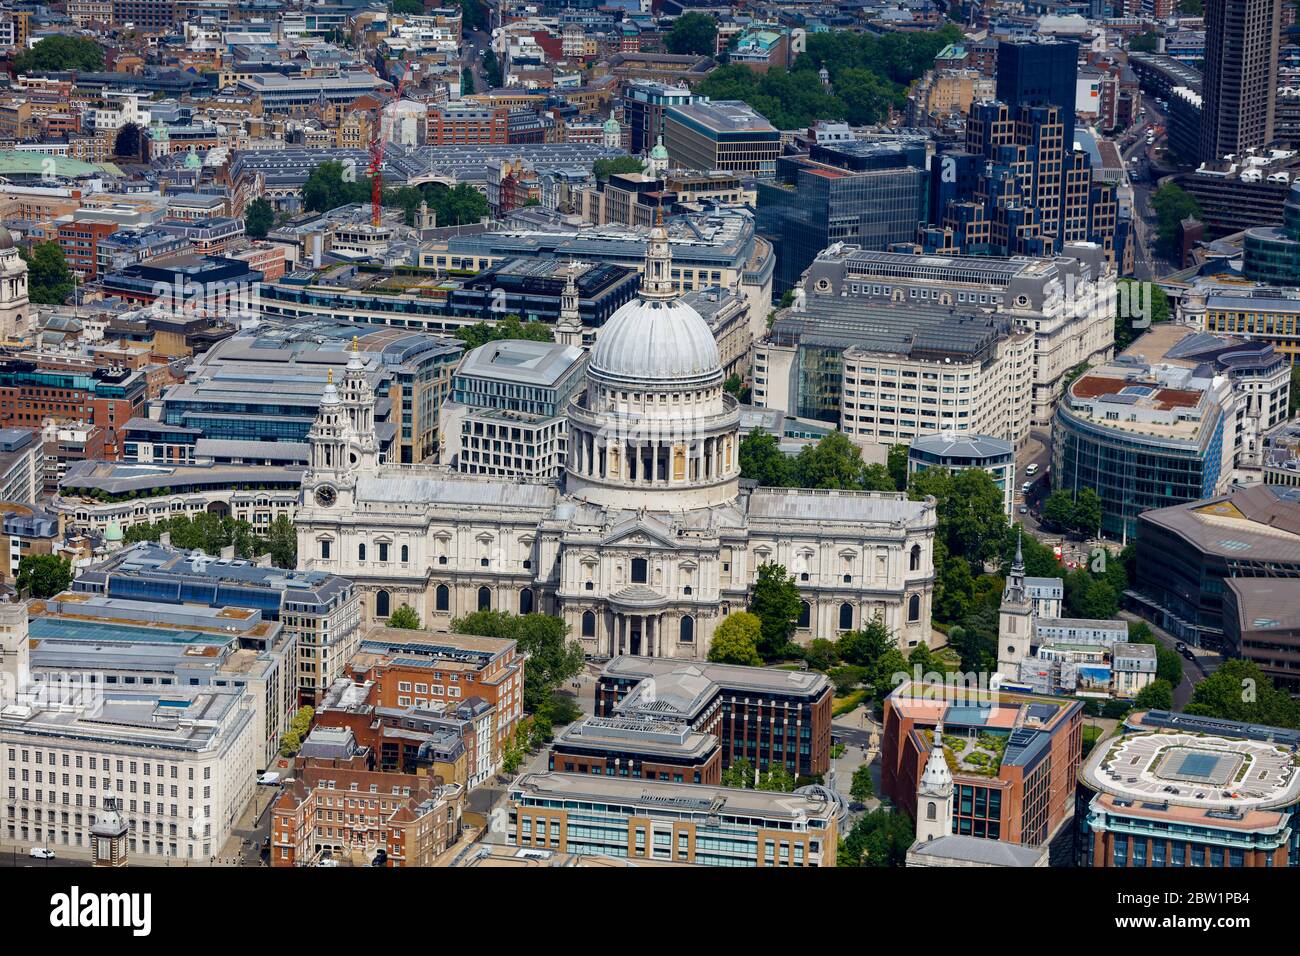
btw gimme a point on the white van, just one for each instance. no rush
(269, 779)
(1032, 469)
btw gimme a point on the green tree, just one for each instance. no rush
(775, 600)
(1086, 518)
(407, 7)
(1172, 205)
(602, 169)
(834, 462)
(867, 97)
(550, 660)
(739, 775)
(1058, 509)
(259, 217)
(1295, 389)
(864, 648)
(878, 839)
(510, 327)
(331, 185)
(406, 618)
(736, 640)
(882, 679)
(778, 779)
(1169, 663)
(1089, 596)
(129, 142)
(49, 282)
(1157, 695)
(1239, 690)
(1146, 42)
(971, 521)
(693, 33)
(43, 575)
(60, 53)
(282, 542)
(897, 464)
(821, 654)
(1139, 305)
(861, 789)
(762, 460)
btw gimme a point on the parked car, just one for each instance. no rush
(42, 853)
(1188, 654)
(1024, 509)
(1179, 646)
(269, 779)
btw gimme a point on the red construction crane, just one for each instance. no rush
(377, 152)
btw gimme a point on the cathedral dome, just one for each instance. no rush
(656, 340)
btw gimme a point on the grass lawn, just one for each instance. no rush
(843, 705)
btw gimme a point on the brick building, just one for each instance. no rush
(1013, 757)
(342, 806)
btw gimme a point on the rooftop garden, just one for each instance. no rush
(980, 754)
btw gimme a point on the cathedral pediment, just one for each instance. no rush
(638, 534)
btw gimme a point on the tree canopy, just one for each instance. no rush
(551, 659)
(510, 327)
(1172, 205)
(868, 75)
(774, 599)
(604, 168)
(405, 618)
(258, 218)
(43, 575)
(211, 534)
(693, 32)
(736, 640)
(59, 53)
(49, 281)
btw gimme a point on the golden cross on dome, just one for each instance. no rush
(329, 376)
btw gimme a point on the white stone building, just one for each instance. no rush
(646, 542)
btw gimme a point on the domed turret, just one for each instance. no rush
(655, 428)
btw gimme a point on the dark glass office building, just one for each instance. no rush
(870, 194)
(1040, 74)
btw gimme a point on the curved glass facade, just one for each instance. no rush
(1131, 473)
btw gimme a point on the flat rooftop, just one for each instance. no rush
(682, 799)
(1195, 773)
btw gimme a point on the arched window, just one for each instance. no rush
(526, 601)
(406, 554)
(442, 598)
(382, 604)
(588, 624)
(361, 552)
(805, 614)
(930, 810)
(686, 633)
(914, 608)
(914, 562)
(846, 616)
(484, 599)
(640, 571)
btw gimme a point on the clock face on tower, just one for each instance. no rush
(326, 496)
